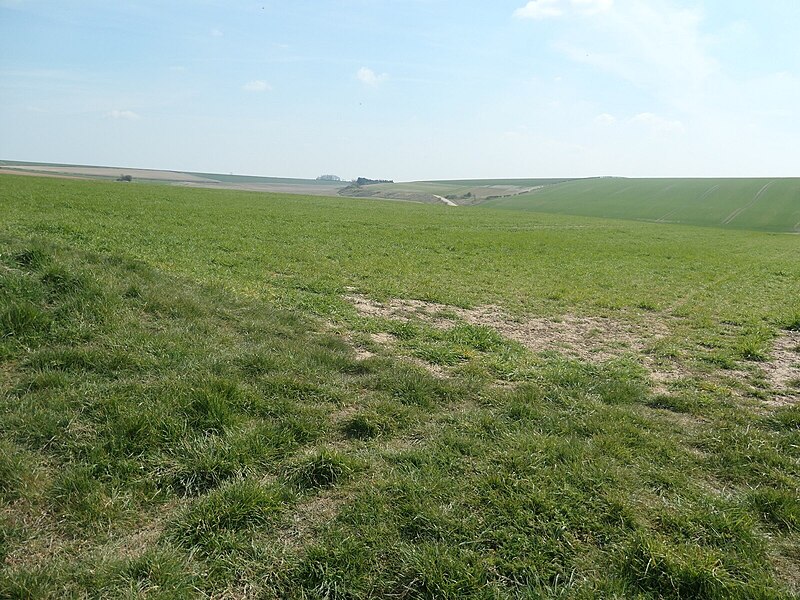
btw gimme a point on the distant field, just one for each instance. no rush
(216, 393)
(759, 204)
(461, 192)
(253, 179)
(219, 181)
(520, 183)
(99, 172)
(464, 192)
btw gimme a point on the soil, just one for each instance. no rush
(589, 338)
(593, 339)
(783, 371)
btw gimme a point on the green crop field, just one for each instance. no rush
(211, 393)
(755, 204)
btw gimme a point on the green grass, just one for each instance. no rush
(523, 183)
(183, 412)
(756, 204)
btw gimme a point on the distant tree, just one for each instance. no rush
(124, 178)
(329, 178)
(365, 181)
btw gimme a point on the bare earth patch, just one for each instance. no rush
(588, 338)
(592, 339)
(435, 370)
(783, 370)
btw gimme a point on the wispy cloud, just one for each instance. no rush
(655, 46)
(369, 77)
(592, 7)
(216, 32)
(257, 85)
(548, 9)
(658, 124)
(125, 115)
(605, 119)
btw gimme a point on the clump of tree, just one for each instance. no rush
(125, 178)
(329, 178)
(365, 181)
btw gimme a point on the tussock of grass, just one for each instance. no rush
(365, 426)
(240, 506)
(323, 468)
(778, 507)
(792, 323)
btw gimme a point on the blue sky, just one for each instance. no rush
(405, 89)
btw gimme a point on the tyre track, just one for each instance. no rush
(674, 210)
(739, 211)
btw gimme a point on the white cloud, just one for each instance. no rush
(658, 124)
(216, 33)
(655, 46)
(544, 9)
(256, 85)
(605, 119)
(540, 9)
(125, 115)
(369, 77)
(592, 7)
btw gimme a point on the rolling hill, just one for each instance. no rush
(765, 204)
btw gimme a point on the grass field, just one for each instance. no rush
(149, 176)
(755, 204)
(228, 394)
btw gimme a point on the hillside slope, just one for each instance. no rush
(767, 204)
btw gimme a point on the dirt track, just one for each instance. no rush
(445, 200)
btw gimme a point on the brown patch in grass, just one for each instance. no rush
(145, 536)
(384, 339)
(663, 379)
(363, 353)
(46, 543)
(381, 339)
(308, 517)
(41, 542)
(7, 370)
(435, 370)
(787, 568)
(344, 413)
(588, 338)
(783, 370)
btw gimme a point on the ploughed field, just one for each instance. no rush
(230, 394)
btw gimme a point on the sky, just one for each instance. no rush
(405, 89)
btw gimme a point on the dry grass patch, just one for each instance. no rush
(594, 339)
(783, 370)
(308, 517)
